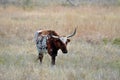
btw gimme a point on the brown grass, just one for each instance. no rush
(88, 57)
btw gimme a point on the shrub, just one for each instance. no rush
(105, 40)
(116, 41)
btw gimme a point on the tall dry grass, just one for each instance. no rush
(88, 57)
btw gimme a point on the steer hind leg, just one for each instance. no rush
(40, 57)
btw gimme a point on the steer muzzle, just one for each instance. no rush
(65, 51)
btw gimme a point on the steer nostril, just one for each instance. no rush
(65, 51)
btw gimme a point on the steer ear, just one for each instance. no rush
(68, 40)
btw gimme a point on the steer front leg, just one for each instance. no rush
(53, 60)
(53, 54)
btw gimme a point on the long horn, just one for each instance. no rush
(72, 34)
(55, 36)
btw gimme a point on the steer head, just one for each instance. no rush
(60, 42)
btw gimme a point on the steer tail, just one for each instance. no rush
(36, 35)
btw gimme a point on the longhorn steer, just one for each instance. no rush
(49, 41)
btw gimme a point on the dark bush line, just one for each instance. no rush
(29, 3)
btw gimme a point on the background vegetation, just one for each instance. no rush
(58, 2)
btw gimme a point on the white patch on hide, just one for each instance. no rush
(63, 39)
(41, 44)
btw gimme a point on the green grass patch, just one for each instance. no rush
(105, 40)
(9, 59)
(116, 41)
(2, 60)
(115, 64)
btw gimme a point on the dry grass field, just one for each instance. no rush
(92, 54)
